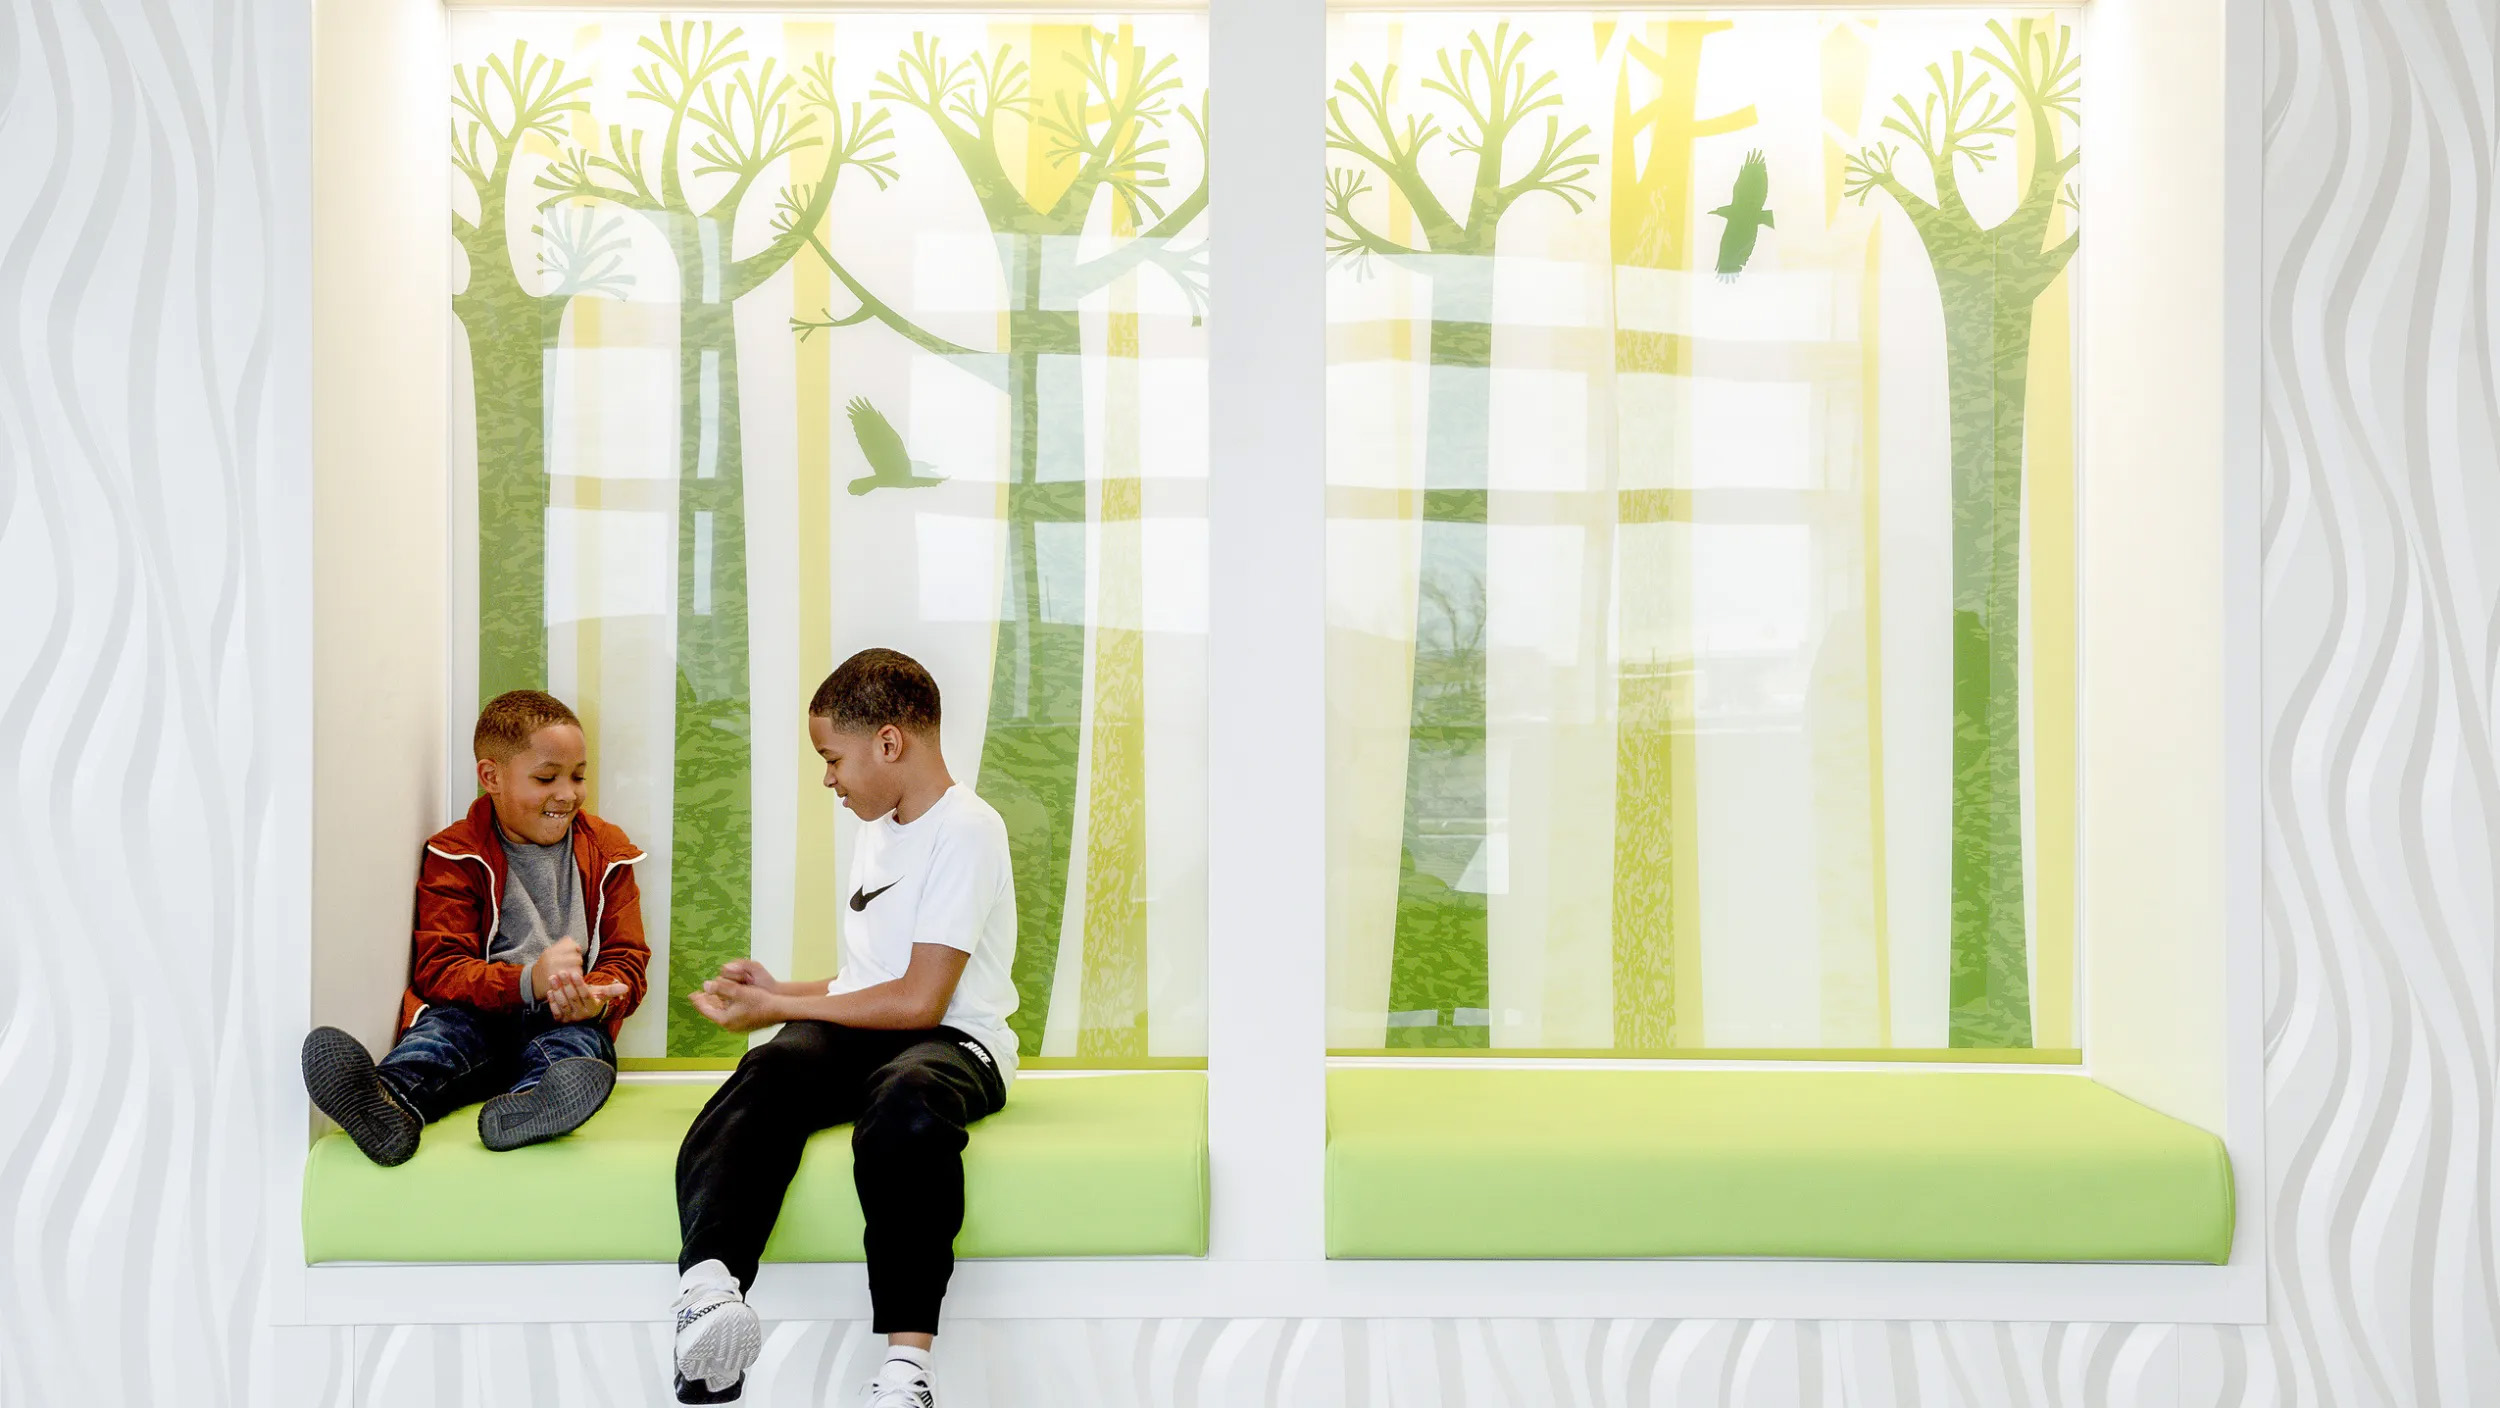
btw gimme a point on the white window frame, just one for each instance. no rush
(1267, 845)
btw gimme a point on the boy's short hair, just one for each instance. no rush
(504, 726)
(875, 688)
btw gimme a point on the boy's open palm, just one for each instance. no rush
(574, 998)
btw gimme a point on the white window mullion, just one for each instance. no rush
(1266, 639)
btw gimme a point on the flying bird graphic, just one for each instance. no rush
(1745, 214)
(883, 449)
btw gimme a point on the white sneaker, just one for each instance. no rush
(718, 1334)
(911, 1389)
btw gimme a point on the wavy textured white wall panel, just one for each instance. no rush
(153, 552)
(2382, 557)
(153, 686)
(1332, 1364)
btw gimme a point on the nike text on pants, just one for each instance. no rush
(910, 1097)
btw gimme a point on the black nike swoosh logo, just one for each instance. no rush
(860, 898)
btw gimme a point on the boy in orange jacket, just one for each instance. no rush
(529, 957)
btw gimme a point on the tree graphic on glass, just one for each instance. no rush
(735, 123)
(1096, 120)
(1657, 866)
(497, 106)
(1438, 981)
(1988, 278)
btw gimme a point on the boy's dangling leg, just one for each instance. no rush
(732, 1173)
(907, 1160)
(567, 1072)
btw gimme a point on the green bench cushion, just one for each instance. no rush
(1112, 1165)
(1897, 1166)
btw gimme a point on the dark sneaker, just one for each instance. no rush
(339, 1075)
(563, 1100)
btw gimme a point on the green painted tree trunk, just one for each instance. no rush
(713, 843)
(1438, 959)
(1037, 676)
(1987, 355)
(510, 331)
(1987, 281)
(507, 358)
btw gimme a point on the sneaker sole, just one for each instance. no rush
(726, 1348)
(563, 1101)
(339, 1075)
(697, 1391)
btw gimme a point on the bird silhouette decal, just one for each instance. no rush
(883, 449)
(1745, 214)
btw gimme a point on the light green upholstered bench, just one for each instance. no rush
(1110, 1165)
(1897, 1166)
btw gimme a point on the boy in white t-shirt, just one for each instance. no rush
(910, 1044)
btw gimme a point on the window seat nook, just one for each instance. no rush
(1075, 1166)
(1911, 1165)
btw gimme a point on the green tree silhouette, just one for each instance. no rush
(496, 106)
(1438, 957)
(1988, 278)
(733, 122)
(1103, 118)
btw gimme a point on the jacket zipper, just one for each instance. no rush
(494, 896)
(598, 897)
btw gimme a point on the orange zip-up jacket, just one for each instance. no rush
(460, 884)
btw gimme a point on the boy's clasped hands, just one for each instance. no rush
(744, 997)
(570, 997)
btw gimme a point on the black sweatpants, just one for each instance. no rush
(910, 1097)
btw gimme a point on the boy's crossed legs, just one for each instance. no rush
(539, 1078)
(912, 1096)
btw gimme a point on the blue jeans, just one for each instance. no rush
(454, 1055)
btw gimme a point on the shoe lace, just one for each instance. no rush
(695, 1304)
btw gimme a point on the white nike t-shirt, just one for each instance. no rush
(943, 879)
